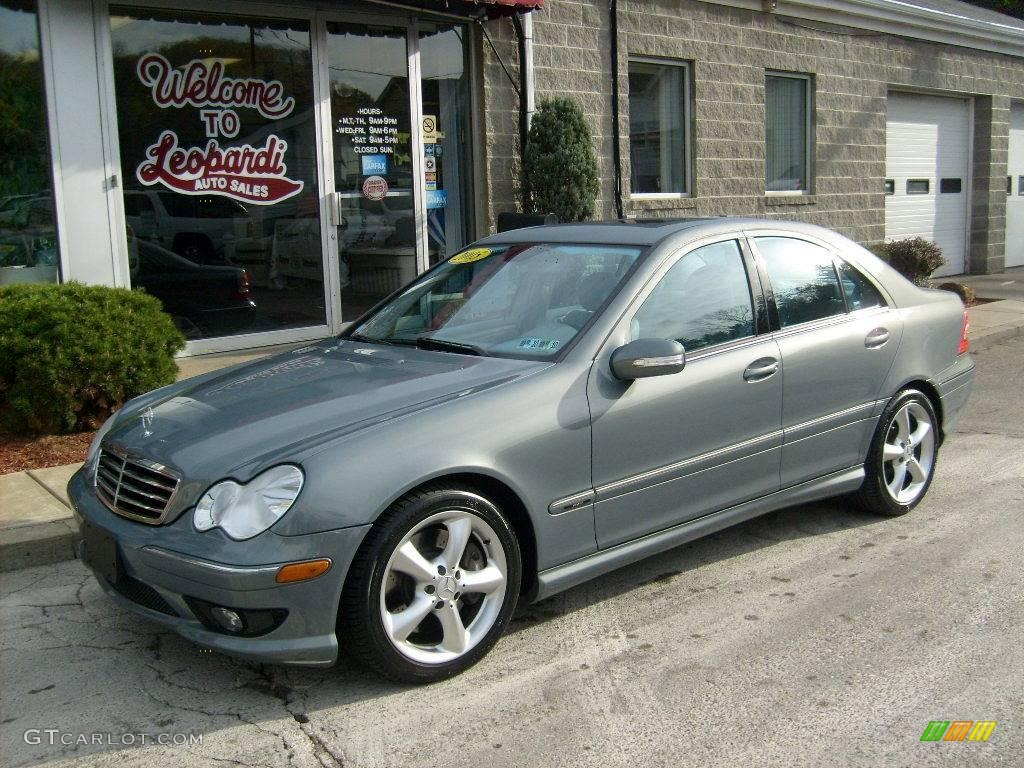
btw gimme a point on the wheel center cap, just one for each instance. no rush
(447, 586)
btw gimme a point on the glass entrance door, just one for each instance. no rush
(371, 126)
(399, 117)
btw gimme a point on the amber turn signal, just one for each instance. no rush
(305, 571)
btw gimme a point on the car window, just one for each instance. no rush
(525, 300)
(703, 299)
(803, 278)
(860, 292)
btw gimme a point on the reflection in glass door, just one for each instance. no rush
(373, 162)
(447, 162)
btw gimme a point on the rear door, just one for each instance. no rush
(838, 339)
(672, 448)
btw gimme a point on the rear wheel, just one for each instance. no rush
(432, 587)
(902, 458)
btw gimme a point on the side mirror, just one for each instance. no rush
(643, 358)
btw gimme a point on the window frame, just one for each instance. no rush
(755, 288)
(837, 259)
(687, 148)
(809, 142)
(838, 262)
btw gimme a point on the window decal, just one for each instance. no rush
(246, 173)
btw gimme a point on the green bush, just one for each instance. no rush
(72, 354)
(964, 291)
(915, 258)
(560, 165)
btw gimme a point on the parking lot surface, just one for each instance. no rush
(813, 636)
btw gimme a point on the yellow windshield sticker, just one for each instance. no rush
(474, 254)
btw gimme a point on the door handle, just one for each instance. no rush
(876, 338)
(761, 369)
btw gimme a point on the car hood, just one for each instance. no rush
(238, 421)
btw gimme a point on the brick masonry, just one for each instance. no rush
(730, 49)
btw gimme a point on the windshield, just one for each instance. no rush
(526, 300)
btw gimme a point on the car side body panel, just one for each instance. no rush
(532, 435)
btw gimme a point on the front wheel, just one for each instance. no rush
(902, 458)
(432, 587)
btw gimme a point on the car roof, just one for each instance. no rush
(642, 232)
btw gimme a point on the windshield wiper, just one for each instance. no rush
(443, 345)
(370, 340)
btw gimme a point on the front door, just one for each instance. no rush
(672, 448)
(400, 153)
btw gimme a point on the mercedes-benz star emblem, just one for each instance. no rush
(147, 421)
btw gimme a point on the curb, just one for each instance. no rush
(26, 546)
(995, 337)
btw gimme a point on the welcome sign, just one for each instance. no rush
(255, 174)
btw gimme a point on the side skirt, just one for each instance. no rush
(563, 577)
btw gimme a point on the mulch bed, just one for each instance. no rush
(18, 453)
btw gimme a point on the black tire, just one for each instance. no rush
(360, 626)
(874, 495)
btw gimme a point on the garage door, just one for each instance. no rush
(1015, 187)
(928, 155)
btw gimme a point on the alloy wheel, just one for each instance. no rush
(443, 587)
(908, 454)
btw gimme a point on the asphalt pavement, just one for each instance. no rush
(812, 636)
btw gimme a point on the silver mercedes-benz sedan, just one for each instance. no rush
(544, 407)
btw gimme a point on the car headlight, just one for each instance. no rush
(243, 511)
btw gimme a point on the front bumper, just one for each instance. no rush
(160, 566)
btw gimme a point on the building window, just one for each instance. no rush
(28, 231)
(659, 127)
(788, 132)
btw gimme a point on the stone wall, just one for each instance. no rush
(729, 50)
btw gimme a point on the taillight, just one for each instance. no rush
(963, 335)
(243, 291)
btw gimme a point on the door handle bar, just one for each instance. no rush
(761, 369)
(876, 338)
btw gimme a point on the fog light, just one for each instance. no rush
(227, 618)
(242, 622)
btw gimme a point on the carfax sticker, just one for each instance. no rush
(532, 343)
(468, 257)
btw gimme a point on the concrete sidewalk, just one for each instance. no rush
(36, 526)
(1002, 285)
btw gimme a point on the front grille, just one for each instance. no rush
(135, 488)
(142, 594)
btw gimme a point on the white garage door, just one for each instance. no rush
(1015, 187)
(928, 155)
